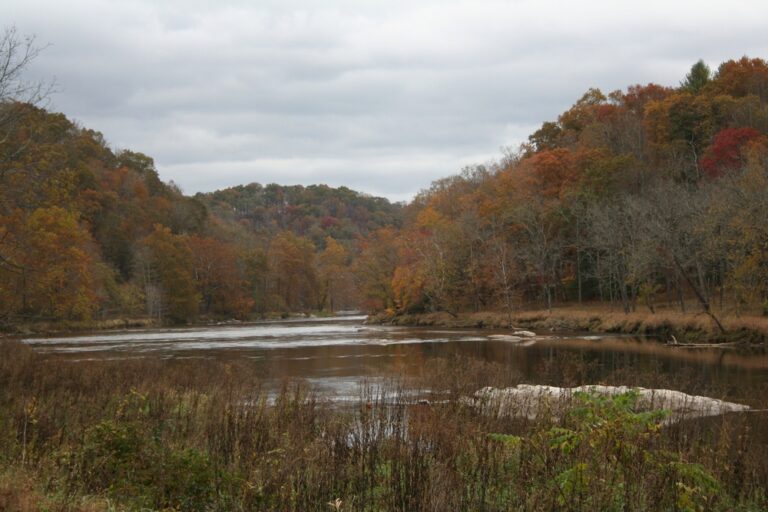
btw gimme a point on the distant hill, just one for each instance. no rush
(88, 232)
(315, 211)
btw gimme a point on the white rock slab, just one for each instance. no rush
(505, 337)
(529, 401)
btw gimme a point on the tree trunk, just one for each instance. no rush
(700, 295)
(578, 257)
(679, 288)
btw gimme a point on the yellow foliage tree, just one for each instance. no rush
(51, 274)
(333, 273)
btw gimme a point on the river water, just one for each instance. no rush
(335, 355)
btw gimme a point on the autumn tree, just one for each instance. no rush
(725, 153)
(681, 127)
(167, 273)
(624, 259)
(408, 282)
(546, 137)
(257, 279)
(49, 267)
(293, 276)
(741, 207)
(374, 269)
(334, 275)
(743, 77)
(220, 277)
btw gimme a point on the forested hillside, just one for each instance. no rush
(86, 232)
(653, 195)
(316, 211)
(645, 197)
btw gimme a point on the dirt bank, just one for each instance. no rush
(667, 326)
(44, 328)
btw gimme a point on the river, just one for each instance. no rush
(335, 355)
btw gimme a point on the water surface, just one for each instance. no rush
(336, 355)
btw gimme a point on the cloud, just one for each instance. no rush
(381, 96)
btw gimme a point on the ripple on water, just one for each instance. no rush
(339, 354)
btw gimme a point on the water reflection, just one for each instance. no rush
(336, 354)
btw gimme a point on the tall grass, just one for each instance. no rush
(691, 327)
(208, 435)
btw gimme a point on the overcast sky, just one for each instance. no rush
(382, 97)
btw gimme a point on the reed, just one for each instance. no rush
(210, 435)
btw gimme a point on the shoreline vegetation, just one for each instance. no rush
(647, 197)
(46, 328)
(669, 327)
(195, 435)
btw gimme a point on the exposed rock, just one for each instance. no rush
(529, 401)
(505, 337)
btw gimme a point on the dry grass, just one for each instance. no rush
(18, 494)
(43, 327)
(688, 326)
(21, 492)
(205, 435)
(664, 323)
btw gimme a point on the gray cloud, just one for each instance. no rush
(383, 97)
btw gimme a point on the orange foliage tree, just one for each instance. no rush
(167, 270)
(220, 278)
(293, 277)
(50, 265)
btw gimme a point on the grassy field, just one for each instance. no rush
(205, 435)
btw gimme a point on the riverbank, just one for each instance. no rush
(45, 328)
(66, 327)
(667, 326)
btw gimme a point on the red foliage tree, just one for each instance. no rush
(637, 96)
(724, 154)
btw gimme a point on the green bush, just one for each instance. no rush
(606, 455)
(125, 458)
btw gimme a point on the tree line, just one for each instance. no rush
(648, 196)
(652, 195)
(87, 232)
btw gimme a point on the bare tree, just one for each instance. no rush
(504, 267)
(674, 221)
(541, 242)
(16, 54)
(614, 237)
